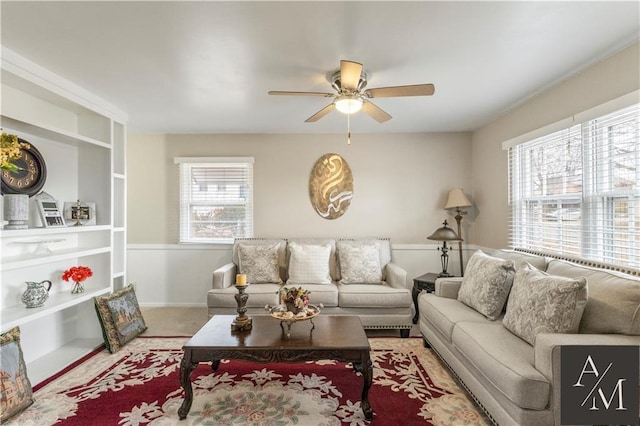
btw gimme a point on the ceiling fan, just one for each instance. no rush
(349, 82)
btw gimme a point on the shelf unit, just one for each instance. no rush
(83, 141)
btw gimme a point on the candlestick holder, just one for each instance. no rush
(242, 321)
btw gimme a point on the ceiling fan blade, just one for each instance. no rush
(350, 74)
(318, 115)
(375, 112)
(280, 92)
(411, 90)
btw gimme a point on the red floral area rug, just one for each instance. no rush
(140, 386)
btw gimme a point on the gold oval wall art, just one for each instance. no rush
(331, 186)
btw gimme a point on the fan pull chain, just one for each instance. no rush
(348, 129)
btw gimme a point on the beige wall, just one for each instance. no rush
(606, 80)
(400, 182)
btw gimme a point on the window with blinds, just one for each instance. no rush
(216, 199)
(577, 191)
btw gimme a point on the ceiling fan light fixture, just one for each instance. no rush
(348, 104)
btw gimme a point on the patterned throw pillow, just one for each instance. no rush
(14, 383)
(309, 263)
(120, 318)
(543, 303)
(486, 284)
(359, 263)
(259, 263)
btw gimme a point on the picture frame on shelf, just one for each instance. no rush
(80, 213)
(50, 213)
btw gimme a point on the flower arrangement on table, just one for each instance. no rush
(77, 274)
(295, 298)
(294, 306)
(10, 150)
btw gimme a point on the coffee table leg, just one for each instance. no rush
(186, 368)
(215, 363)
(367, 375)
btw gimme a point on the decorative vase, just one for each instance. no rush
(291, 307)
(16, 211)
(78, 287)
(36, 294)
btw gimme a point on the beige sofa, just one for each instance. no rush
(518, 383)
(382, 300)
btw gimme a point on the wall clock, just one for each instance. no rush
(331, 186)
(30, 176)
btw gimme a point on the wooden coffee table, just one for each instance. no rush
(339, 338)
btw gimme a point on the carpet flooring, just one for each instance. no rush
(139, 385)
(174, 321)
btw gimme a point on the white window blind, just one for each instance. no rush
(577, 191)
(216, 199)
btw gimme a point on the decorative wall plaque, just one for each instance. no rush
(331, 186)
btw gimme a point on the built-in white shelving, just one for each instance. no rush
(83, 141)
(40, 369)
(17, 315)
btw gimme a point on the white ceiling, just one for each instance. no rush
(206, 67)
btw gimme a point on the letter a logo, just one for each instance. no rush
(594, 370)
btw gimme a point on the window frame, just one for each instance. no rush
(599, 237)
(187, 204)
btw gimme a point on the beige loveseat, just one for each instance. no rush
(346, 276)
(518, 382)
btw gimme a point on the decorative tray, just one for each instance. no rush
(281, 313)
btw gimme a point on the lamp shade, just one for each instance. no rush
(444, 234)
(457, 199)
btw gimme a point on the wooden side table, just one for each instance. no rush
(426, 282)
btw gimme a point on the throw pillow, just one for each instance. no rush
(543, 303)
(14, 383)
(120, 318)
(309, 263)
(359, 264)
(486, 284)
(259, 263)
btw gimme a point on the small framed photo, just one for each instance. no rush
(50, 213)
(80, 213)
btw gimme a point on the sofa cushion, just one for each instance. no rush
(383, 244)
(309, 263)
(543, 303)
(327, 294)
(373, 296)
(359, 263)
(15, 386)
(259, 263)
(117, 329)
(282, 251)
(505, 360)
(444, 313)
(259, 296)
(520, 259)
(614, 299)
(485, 287)
(333, 264)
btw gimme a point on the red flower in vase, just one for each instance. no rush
(77, 274)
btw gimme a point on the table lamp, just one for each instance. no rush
(457, 200)
(444, 234)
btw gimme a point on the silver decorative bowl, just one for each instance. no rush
(281, 313)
